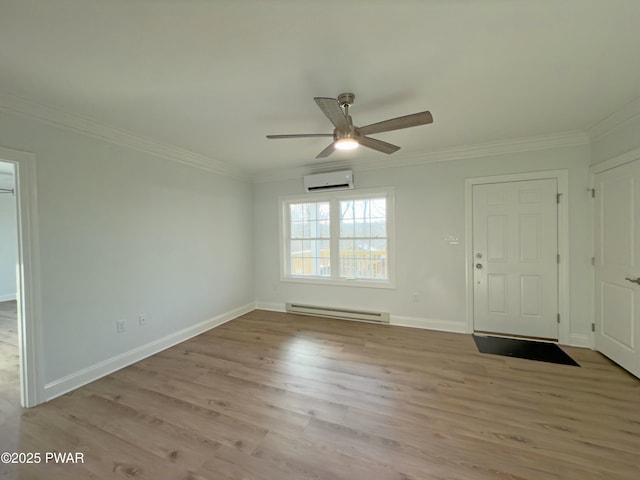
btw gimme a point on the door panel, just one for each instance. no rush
(530, 293)
(617, 238)
(515, 241)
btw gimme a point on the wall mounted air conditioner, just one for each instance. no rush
(319, 182)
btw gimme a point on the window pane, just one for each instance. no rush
(363, 228)
(297, 257)
(347, 228)
(323, 229)
(360, 208)
(347, 258)
(297, 229)
(363, 239)
(295, 212)
(379, 259)
(309, 222)
(379, 208)
(378, 228)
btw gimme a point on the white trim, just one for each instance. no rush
(591, 336)
(562, 177)
(94, 372)
(627, 157)
(8, 297)
(28, 277)
(88, 126)
(428, 324)
(504, 147)
(626, 114)
(329, 282)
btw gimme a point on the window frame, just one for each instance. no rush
(334, 198)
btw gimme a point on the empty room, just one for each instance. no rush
(319, 239)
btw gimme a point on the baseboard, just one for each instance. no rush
(8, 297)
(271, 306)
(429, 324)
(94, 372)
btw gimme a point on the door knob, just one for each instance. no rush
(479, 266)
(637, 280)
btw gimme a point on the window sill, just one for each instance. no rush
(386, 284)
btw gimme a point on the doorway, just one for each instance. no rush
(9, 342)
(27, 275)
(516, 243)
(617, 265)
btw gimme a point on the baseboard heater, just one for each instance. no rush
(340, 313)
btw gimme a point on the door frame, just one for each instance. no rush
(28, 277)
(562, 177)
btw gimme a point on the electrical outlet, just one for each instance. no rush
(142, 319)
(121, 326)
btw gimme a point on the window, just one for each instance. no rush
(338, 237)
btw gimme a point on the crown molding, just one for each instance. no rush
(626, 114)
(504, 147)
(26, 108)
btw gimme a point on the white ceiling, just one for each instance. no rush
(214, 77)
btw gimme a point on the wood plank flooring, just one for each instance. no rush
(280, 397)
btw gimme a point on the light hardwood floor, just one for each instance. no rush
(280, 397)
(9, 364)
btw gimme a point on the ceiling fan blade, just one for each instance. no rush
(301, 135)
(326, 152)
(331, 108)
(378, 145)
(407, 121)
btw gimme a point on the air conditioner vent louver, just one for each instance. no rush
(329, 187)
(339, 313)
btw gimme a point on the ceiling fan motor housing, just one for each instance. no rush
(346, 99)
(351, 133)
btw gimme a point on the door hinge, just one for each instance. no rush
(593, 327)
(593, 261)
(558, 318)
(593, 192)
(558, 195)
(558, 258)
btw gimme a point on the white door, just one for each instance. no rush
(515, 248)
(617, 266)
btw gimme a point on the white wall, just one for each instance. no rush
(123, 233)
(429, 207)
(8, 247)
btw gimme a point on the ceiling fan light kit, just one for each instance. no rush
(346, 144)
(348, 137)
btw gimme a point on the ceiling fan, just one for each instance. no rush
(346, 136)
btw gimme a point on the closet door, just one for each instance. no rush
(617, 269)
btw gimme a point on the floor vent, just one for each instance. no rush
(340, 313)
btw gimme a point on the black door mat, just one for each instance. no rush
(530, 350)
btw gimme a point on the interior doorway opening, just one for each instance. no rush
(21, 166)
(9, 338)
